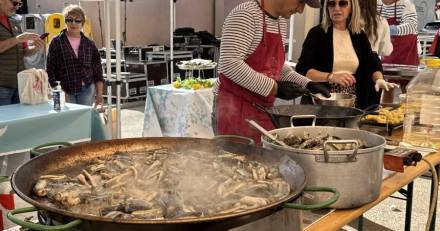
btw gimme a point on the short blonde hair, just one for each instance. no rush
(75, 10)
(354, 22)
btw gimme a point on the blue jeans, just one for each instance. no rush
(9, 96)
(85, 97)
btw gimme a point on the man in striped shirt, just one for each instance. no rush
(251, 65)
(402, 18)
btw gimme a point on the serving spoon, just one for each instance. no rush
(266, 133)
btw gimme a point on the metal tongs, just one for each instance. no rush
(266, 133)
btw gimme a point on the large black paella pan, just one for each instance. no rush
(26, 176)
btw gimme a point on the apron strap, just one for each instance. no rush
(264, 19)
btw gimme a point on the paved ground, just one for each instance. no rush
(389, 215)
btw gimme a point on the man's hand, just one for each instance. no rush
(24, 37)
(288, 90)
(38, 44)
(316, 88)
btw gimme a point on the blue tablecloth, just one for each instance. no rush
(25, 126)
(178, 112)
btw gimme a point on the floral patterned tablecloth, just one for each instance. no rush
(178, 112)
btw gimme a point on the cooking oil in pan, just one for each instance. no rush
(422, 116)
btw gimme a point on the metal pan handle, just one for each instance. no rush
(292, 118)
(371, 109)
(329, 142)
(322, 205)
(36, 151)
(245, 140)
(29, 225)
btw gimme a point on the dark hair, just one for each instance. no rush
(370, 17)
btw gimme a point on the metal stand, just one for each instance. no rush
(408, 213)
(360, 223)
(432, 225)
(108, 17)
(408, 197)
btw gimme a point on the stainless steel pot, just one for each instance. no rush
(356, 174)
(336, 99)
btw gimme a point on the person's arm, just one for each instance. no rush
(52, 63)
(408, 24)
(288, 74)
(7, 44)
(238, 33)
(97, 75)
(308, 61)
(373, 65)
(385, 37)
(309, 55)
(21, 38)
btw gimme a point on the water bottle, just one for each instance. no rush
(59, 97)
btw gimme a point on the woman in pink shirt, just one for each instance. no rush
(74, 60)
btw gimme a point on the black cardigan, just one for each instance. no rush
(317, 53)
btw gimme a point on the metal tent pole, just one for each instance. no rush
(108, 61)
(172, 19)
(118, 67)
(290, 52)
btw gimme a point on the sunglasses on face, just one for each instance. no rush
(71, 20)
(341, 4)
(16, 4)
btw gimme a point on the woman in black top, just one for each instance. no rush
(338, 53)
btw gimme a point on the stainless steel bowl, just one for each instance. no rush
(336, 99)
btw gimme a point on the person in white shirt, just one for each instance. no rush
(376, 27)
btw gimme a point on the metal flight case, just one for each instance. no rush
(166, 56)
(133, 86)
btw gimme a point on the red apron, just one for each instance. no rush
(235, 103)
(404, 46)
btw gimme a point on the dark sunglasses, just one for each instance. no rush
(16, 4)
(71, 20)
(341, 4)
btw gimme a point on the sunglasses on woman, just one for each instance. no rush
(16, 4)
(341, 4)
(71, 20)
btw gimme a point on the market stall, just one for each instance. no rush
(179, 176)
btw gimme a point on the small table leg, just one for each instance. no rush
(409, 199)
(360, 223)
(432, 226)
